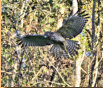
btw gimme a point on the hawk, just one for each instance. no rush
(63, 46)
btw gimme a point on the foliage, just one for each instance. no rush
(35, 66)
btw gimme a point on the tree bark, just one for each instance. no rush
(95, 63)
(79, 61)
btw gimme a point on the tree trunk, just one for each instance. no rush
(95, 63)
(79, 61)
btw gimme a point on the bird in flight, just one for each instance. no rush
(62, 45)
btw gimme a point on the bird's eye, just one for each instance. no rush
(45, 36)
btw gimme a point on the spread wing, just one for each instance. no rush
(34, 40)
(73, 25)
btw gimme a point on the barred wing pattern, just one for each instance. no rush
(73, 25)
(34, 40)
(71, 48)
(62, 46)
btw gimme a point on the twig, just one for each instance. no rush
(59, 74)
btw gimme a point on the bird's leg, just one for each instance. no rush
(65, 47)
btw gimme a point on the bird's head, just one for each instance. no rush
(48, 34)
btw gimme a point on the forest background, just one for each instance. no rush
(34, 66)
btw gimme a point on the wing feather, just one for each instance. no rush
(34, 40)
(73, 25)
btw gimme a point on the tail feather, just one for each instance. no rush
(57, 51)
(71, 48)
